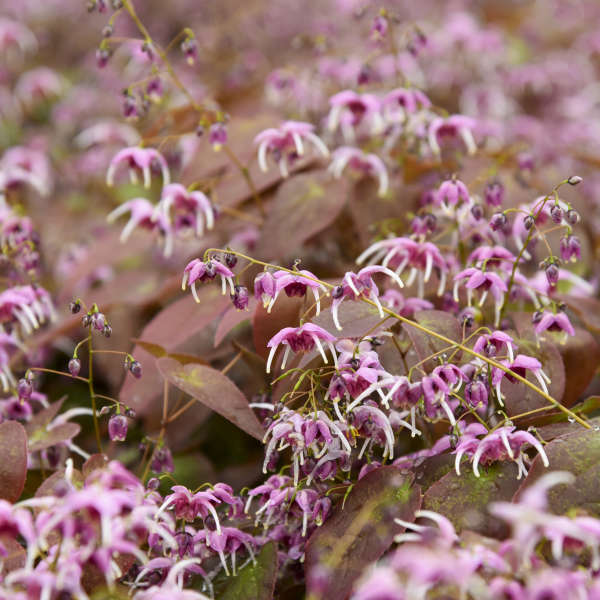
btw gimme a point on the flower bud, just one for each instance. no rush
(86, 320)
(136, 369)
(574, 180)
(572, 217)
(476, 393)
(556, 213)
(74, 366)
(117, 428)
(528, 222)
(240, 297)
(477, 211)
(107, 330)
(230, 260)
(98, 321)
(552, 274)
(217, 135)
(494, 193)
(24, 389)
(75, 306)
(498, 221)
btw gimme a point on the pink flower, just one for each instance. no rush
(401, 102)
(492, 256)
(197, 270)
(138, 159)
(350, 110)
(268, 286)
(484, 282)
(520, 365)
(452, 127)
(286, 144)
(495, 343)
(107, 132)
(13, 33)
(300, 339)
(450, 193)
(554, 322)
(369, 164)
(191, 209)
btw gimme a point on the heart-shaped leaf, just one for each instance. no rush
(13, 460)
(213, 389)
(360, 531)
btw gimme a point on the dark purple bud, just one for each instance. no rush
(200, 131)
(430, 221)
(552, 274)
(153, 484)
(574, 180)
(117, 428)
(108, 31)
(240, 297)
(24, 389)
(130, 108)
(537, 317)
(572, 216)
(129, 412)
(528, 222)
(477, 211)
(75, 307)
(86, 320)
(498, 221)
(107, 330)
(74, 366)
(231, 260)
(476, 393)
(162, 461)
(136, 369)
(102, 57)
(556, 213)
(189, 47)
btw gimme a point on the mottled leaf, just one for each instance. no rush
(255, 581)
(55, 484)
(213, 389)
(41, 439)
(13, 460)
(15, 555)
(578, 453)
(425, 345)
(361, 531)
(463, 498)
(304, 205)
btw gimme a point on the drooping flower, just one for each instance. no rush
(455, 126)
(138, 159)
(350, 110)
(483, 282)
(267, 286)
(286, 144)
(368, 164)
(554, 322)
(197, 270)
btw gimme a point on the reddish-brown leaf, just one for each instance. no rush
(213, 389)
(232, 318)
(13, 460)
(358, 533)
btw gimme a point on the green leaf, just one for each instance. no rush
(255, 581)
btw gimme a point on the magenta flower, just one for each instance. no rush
(368, 164)
(286, 144)
(138, 159)
(492, 256)
(406, 307)
(191, 209)
(402, 252)
(21, 164)
(398, 104)
(494, 344)
(350, 110)
(267, 286)
(143, 214)
(189, 506)
(570, 248)
(455, 126)
(301, 339)
(26, 306)
(197, 270)
(520, 365)
(484, 282)
(374, 425)
(361, 284)
(450, 193)
(554, 322)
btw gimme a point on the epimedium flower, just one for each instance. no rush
(107, 132)
(504, 443)
(554, 322)
(400, 253)
(197, 270)
(570, 248)
(350, 110)
(138, 159)
(191, 209)
(406, 307)
(450, 193)
(520, 365)
(268, 286)
(301, 339)
(26, 306)
(400, 103)
(483, 282)
(357, 285)
(494, 344)
(492, 256)
(359, 161)
(286, 144)
(455, 126)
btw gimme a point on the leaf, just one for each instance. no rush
(285, 313)
(578, 453)
(45, 438)
(13, 460)
(41, 419)
(255, 581)
(155, 349)
(358, 533)
(587, 309)
(15, 556)
(168, 330)
(213, 389)
(232, 318)
(304, 205)
(425, 345)
(54, 485)
(581, 357)
(93, 463)
(463, 498)
(356, 318)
